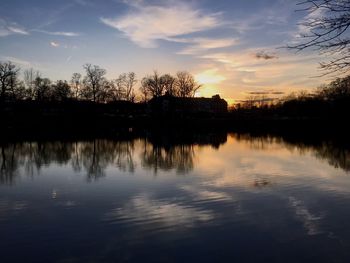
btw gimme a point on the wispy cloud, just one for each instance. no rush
(265, 92)
(15, 60)
(58, 33)
(210, 76)
(145, 24)
(199, 45)
(54, 44)
(10, 28)
(244, 71)
(83, 2)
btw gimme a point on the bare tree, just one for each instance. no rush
(326, 27)
(153, 84)
(119, 90)
(93, 81)
(168, 83)
(42, 89)
(30, 75)
(186, 85)
(76, 84)
(125, 84)
(20, 91)
(8, 78)
(60, 91)
(130, 82)
(145, 94)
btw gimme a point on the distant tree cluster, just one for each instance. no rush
(332, 99)
(92, 86)
(182, 85)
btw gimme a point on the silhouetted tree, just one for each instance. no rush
(130, 81)
(337, 89)
(118, 90)
(94, 81)
(186, 85)
(42, 89)
(145, 94)
(153, 84)
(125, 84)
(61, 91)
(8, 79)
(109, 92)
(325, 29)
(76, 85)
(168, 82)
(20, 92)
(30, 75)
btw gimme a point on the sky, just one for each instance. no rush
(234, 48)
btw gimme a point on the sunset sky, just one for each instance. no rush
(232, 47)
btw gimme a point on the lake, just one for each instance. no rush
(195, 198)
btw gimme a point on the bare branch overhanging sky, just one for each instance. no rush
(232, 47)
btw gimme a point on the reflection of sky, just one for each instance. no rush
(231, 46)
(239, 194)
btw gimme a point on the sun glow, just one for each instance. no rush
(209, 77)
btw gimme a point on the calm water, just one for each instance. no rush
(207, 198)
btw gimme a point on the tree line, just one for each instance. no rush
(330, 101)
(337, 90)
(92, 86)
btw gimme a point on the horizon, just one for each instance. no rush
(232, 49)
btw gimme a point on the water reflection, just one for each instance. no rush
(165, 214)
(179, 157)
(336, 153)
(157, 153)
(179, 198)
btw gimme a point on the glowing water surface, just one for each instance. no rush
(212, 198)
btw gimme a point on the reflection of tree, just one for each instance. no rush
(97, 155)
(180, 157)
(124, 156)
(335, 154)
(93, 160)
(173, 151)
(93, 157)
(9, 165)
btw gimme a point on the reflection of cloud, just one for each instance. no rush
(206, 195)
(309, 220)
(144, 25)
(7, 207)
(67, 204)
(145, 209)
